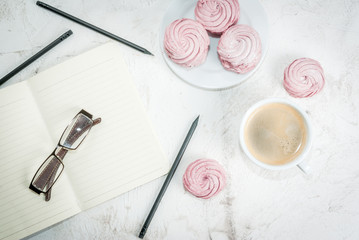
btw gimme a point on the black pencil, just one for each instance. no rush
(168, 178)
(97, 29)
(36, 56)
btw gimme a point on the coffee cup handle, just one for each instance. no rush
(304, 168)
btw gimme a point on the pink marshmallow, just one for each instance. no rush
(240, 49)
(204, 178)
(303, 78)
(217, 15)
(186, 42)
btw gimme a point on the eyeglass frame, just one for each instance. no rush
(57, 150)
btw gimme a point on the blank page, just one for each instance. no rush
(121, 152)
(24, 145)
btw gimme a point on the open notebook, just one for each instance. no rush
(118, 155)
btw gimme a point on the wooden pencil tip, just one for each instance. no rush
(148, 52)
(196, 120)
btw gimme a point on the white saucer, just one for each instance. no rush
(211, 74)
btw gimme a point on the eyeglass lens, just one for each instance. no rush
(48, 173)
(76, 131)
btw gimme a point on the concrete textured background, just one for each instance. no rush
(256, 203)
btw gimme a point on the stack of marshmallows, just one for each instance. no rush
(186, 41)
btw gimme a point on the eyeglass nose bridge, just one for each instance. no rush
(60, 152)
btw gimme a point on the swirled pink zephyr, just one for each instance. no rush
(217, 15)
(186, 42)
(303, 78)
(240, 48)
(204, 178)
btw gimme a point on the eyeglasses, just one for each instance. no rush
(52, 167)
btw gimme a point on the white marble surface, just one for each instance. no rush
(256, 203)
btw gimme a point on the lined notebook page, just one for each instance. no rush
(24, 145)
(121, 152)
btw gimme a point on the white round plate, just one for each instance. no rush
(211, 74)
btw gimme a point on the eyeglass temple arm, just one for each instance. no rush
(96, 121)
(61, 154)
(48, 193)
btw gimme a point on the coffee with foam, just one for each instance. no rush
(275, 133)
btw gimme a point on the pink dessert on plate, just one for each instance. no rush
(303, 78)
(204, 178)
(186, 42)
(217, 15)
(240, 49)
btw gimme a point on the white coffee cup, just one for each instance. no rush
(298, 161)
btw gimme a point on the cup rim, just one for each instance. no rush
(308, 125)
